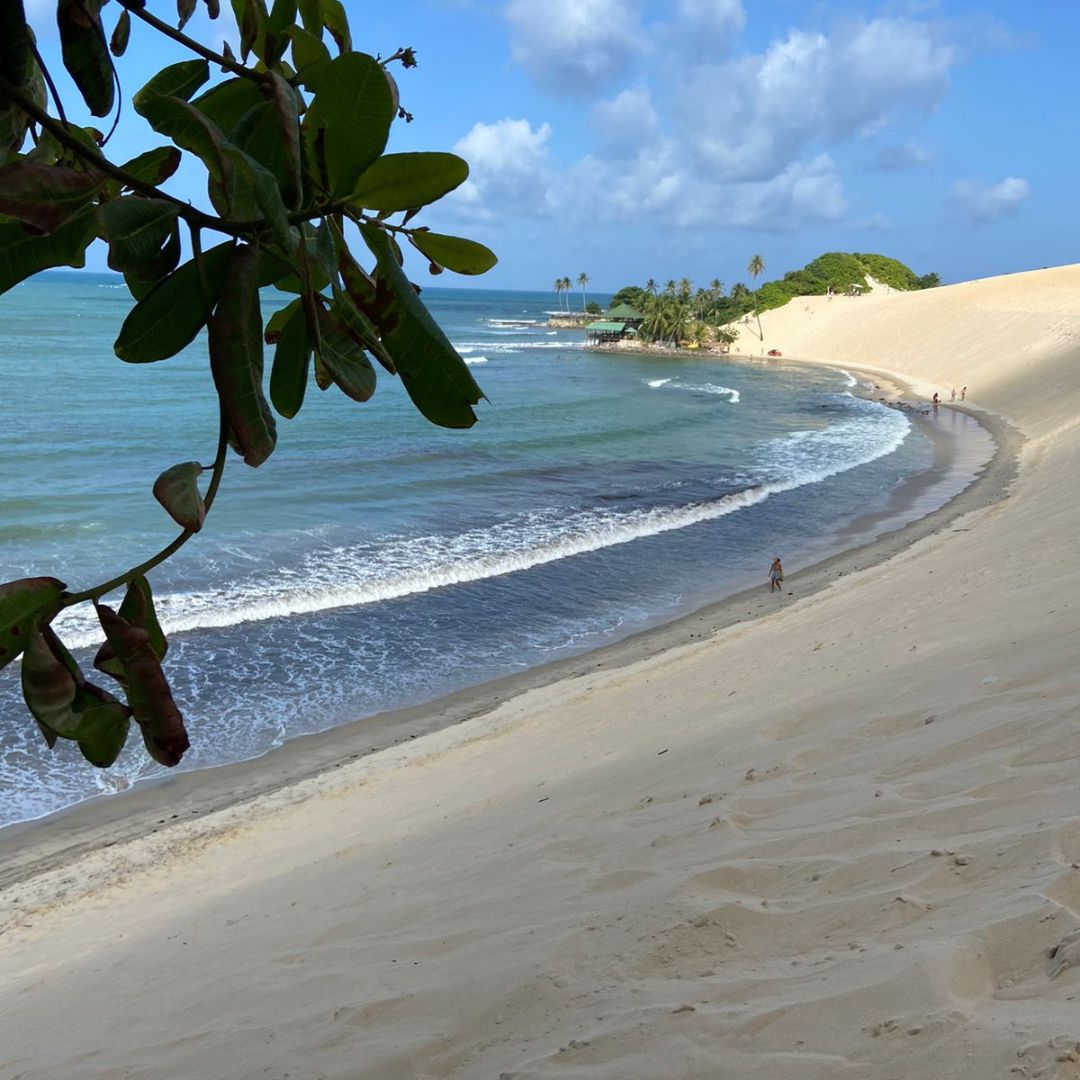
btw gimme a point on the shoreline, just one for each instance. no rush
(33, 848)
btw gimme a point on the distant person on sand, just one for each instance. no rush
(952, 396)
(776, 575)
(936, 402)
(963, 393)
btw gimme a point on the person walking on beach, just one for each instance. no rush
(935, 400)
(963, 393)
(952, 396)
(776, 575)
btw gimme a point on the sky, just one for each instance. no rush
(630, 139)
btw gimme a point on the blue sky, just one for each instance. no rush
(631, 139)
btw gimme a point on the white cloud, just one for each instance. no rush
(709, 25)
(626, 121)
(909, 155)
(875, 222)
(574, 47)
(706, 136)
(758, 113)
(508, 168)
(983, 203)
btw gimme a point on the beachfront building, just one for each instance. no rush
(626, 314)
(616, 324)
(603, 332)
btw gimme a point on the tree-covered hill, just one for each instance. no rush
(839, 270)
(836, 270)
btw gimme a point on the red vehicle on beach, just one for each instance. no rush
(775, 352)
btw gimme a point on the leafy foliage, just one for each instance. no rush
(292, 139)
(672, 312)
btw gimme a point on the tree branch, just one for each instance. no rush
(138, 9)
(96, 592)
(54, 93)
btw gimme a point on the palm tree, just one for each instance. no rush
(650, 286)
(716, 292)
(754, 268)
(686, 286)
(582, 280)
(669, 287)
(557, 288)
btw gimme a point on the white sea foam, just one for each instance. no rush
(851, 380)
(698, 388)
(338, 577)
(489, 346)
(470, 360)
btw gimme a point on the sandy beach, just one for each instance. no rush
(839, 840)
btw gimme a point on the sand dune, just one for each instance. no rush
(839, 841)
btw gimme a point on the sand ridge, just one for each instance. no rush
(838, 841)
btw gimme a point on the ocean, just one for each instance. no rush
(376, 561)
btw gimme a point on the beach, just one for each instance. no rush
(837, 840)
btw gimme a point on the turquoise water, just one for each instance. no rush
(376, 561)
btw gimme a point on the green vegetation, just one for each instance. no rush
(290, 140)
(671, 314)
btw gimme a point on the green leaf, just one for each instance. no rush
(178, 491)
(118, 43)
(251, 19)
(227, 102)
(282, 273)
(361, 329)
(287, 104)
(309, 55)
(312, 17)
(349, 119)
(177, 80)
(45, 196)
(265, 191)
(139, 232)
(337, 22)
(15, 54)
(147, 689)
(22, 255)
(276, 323)
(85, 53)
(184, 10)
(64, 704)
(455, 252)
(170, 315)
(343, 359)
(282, 17)
(236, 358)
(155, 166)
(292, 359)
(436, 378)
(259, 135)
(190, 129)
(22, 603)
(137, 609)
(405, 181)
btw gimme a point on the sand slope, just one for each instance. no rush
(837, 842)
